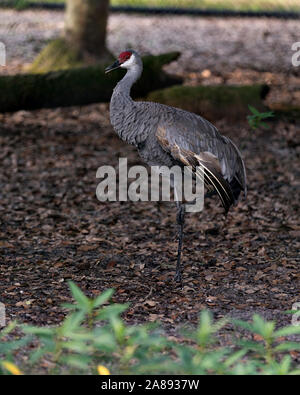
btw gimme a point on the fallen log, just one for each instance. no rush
(214, 102)
(79, 86)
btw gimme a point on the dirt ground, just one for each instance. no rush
(218, 44)
(53, 228)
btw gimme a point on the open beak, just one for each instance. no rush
(112, 67)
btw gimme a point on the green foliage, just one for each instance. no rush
(94, 334)
(244, 5)
(20, 4)
(255, 120)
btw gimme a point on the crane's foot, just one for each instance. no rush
(178, 277)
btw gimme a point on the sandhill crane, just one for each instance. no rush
(168, 136)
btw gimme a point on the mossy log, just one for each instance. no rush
(285, 110)
(79, 86)
(213, 102)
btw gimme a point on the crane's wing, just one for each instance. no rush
(194, 141)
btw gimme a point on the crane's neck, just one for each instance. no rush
(132, 75)
(122, 107)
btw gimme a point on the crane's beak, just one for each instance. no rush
(112, 67)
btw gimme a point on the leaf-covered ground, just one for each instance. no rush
(54, 229)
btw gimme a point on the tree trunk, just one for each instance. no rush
(83, 42)
(85, 26)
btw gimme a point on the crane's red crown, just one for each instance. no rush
(124, 56)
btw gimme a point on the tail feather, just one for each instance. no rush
(236, 188)
(212, 177)
(220, 185)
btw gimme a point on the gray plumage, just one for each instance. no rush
(165, 136)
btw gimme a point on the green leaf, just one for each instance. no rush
(262, 327)
(287, 331)
(105, 342)
(78, 361)
(37, 354)
(295, 372)
(104, 297)
(251, 345)
(7, 347)
(39, 331)
(232, 359)
(83, 301)
(77, 346)
(284, 366)
(253, 110)
(287, 346)
(9, 328)
(255, 120)
(264, 125)
(71, 323)
(243, 324)
(112, 310)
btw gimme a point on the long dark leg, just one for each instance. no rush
(180, 223)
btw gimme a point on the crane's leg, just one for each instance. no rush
(180, 223)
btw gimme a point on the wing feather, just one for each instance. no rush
(213, 177)
(194, 133)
